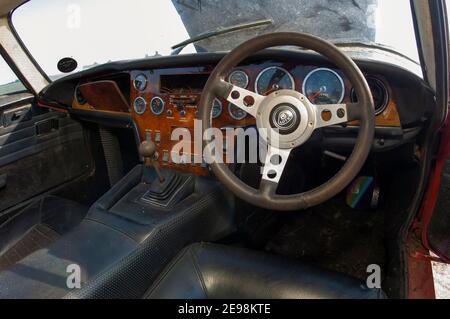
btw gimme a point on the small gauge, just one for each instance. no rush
(140, 105)
(379, 92)
(140, 82)
(236, 113)
(157, 105)
(324, 86)
(239, 78)
(273, 79)
(216, 109)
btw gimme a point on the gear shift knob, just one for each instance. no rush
(147, 150)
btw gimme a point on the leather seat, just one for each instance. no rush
(220, 272)
(120, 246)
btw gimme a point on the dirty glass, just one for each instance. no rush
(9, 83)
(95, 32)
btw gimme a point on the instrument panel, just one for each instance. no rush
(163, 99)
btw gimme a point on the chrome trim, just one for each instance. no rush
(221, 109)
(328, 70)
(387, 96)
(134, 105)
(134, 82)
(163, 105)
(247, 81)
(235, 117)
(270, 68)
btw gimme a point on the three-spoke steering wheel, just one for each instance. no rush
(286, 119)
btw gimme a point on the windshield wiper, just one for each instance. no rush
(223, 30)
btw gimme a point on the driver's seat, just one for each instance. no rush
(221, 272)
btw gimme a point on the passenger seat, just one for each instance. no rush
(37, 226)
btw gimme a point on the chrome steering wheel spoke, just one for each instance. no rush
(246, 100)
(276, 160)
(330, 114)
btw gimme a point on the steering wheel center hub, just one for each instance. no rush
(285, 119)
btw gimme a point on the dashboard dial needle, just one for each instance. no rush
(314, 96)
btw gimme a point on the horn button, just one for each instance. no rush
(286, 119)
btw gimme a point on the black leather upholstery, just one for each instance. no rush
(43, 274)
(220, 272)
(122, 245)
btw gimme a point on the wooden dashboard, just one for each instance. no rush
(171, 97)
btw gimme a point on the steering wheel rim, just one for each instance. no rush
(363, 111)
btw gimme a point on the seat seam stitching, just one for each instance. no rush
(165, 272)
(198, 272)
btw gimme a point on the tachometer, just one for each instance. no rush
(273, 79)
(324, 86)
(239, 78)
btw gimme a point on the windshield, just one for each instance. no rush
(97, 32)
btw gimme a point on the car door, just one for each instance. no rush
(40, 150)
(435, 213)
(436, 234)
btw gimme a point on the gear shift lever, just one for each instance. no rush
(147, 150)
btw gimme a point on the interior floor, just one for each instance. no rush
(333, 236)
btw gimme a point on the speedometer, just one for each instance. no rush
(324, 86)
(273, 79)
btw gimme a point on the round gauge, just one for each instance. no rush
(236, 113)
(379, 92)
(140, 82)
(239, 79)
(157, 105)
(140, 105)
(216, 109)
(273, 79)
(324, 86)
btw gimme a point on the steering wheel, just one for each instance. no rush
(286, 119)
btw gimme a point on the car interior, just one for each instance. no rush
(88, 175)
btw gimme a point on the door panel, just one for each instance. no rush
(39, 151)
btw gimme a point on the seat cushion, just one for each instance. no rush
(37, 226)
(221, 272)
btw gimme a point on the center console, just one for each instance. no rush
(157, 217)
(141, 204)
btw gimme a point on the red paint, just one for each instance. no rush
(432, 193)
(41, 104)
(420, 279)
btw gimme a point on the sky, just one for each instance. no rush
(86, 31)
